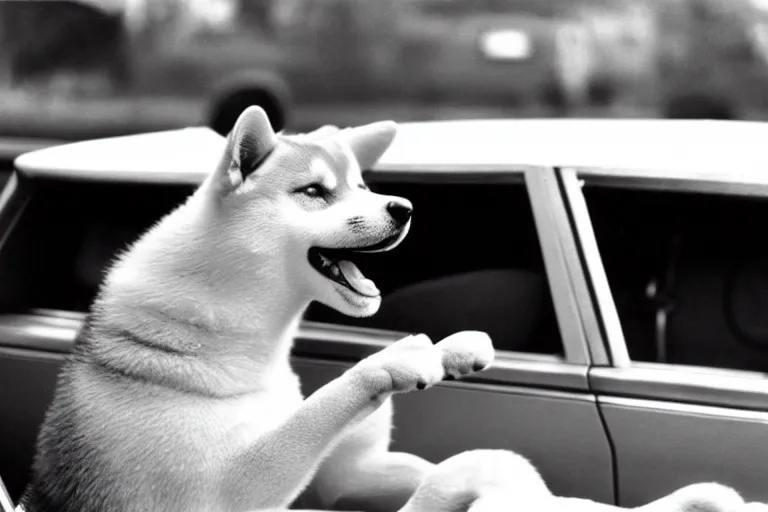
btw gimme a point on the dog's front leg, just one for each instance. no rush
(274, 470)
(362, 474)
(383, 483)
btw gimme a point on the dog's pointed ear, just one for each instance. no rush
(251, 140)
(370, 141)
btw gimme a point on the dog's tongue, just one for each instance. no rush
(357, 280)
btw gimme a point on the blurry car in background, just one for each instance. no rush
(73, 69)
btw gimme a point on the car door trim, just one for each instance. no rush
(667, 182)
(683, 384)
(55, 332)
(475, 384)
(710, 411)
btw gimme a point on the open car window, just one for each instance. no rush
(472, 261)
(687, 269)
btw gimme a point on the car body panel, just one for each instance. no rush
(664, 445)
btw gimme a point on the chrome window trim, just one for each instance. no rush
(445, 174)
(570, 295)
(693, 409)
(669, 183)
(8, 190)
(9, 216)
(605, 306)
(483, 385)
(690, 385)
(6, 503)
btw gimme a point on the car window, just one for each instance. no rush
(472, 260)
(688, 272)
(66, 236)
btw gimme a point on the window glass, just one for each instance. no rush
(688, 272)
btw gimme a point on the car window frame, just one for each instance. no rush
(625, 379)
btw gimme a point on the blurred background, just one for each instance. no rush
(91, 68)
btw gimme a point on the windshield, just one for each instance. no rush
(82, 69)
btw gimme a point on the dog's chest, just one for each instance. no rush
(244, 419)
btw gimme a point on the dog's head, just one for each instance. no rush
(296, 206)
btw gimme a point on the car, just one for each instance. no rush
(618, 265)
(78, 69)
(116, 68)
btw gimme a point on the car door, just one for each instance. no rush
(676, 266)
(485, 241)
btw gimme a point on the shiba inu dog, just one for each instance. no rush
(179, 395)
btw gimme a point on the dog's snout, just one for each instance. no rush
(400, 212)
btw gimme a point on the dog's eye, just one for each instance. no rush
(313, 191)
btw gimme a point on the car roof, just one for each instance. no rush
(727, 151)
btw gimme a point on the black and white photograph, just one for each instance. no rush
(383, 255)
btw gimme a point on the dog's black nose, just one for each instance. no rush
(400, 212)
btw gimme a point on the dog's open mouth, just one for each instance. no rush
(336, 265)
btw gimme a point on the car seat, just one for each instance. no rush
(719, 320)
(513, 306)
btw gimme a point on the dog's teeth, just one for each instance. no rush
(324, 261)
(335, 271)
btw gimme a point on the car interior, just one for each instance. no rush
(688, 272)
(471, 261)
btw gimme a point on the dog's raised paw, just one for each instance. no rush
(465, 352)
(415, 363)
(412, 363)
